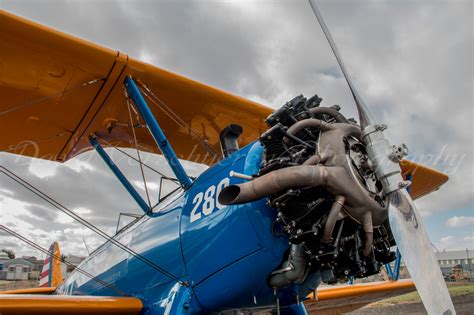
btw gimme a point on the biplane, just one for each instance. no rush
(292, 198)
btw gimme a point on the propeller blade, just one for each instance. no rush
(405, 221)
(414, 245)
(365, 116)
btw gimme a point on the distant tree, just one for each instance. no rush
(9, 252)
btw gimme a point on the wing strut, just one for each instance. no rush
(157, 132)
(114, 168)
(87, 224)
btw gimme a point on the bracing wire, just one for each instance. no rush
(162, 175)
(87, 224)
(135, 159)
(175, 117)
(45, 251)
(50, 96)
(138, 152)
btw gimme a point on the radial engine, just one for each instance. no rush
(317, 175)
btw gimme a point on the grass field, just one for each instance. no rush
(455, 289)
(12, 285)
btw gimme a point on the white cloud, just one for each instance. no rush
(455, 243)
(82, 211)
(64, 218)
(42, 168)
(147, 57)
(461, 221)
(271, 51)
(77, 164)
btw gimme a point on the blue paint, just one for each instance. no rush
(157, 133)
(351, 280)
(226, 233)
(128, 186)
(225, 255)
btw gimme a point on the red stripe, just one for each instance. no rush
(44, 284)
(46, 261)
(44, 274)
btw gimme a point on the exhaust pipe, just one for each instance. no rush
(332, 218)
(330, 112)
(273, 182)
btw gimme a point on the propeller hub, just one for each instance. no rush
(380, 153)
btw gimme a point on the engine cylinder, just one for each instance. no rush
(315, 173)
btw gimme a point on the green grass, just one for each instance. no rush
(454, 289)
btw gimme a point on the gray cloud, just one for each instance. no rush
(411, 60)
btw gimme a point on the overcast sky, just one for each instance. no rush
(411, 61)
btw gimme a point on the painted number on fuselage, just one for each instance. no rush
(206, 202)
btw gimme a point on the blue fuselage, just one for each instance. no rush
(225, 253)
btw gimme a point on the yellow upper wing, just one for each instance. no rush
(56, 89)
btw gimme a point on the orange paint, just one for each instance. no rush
(49, 290)
(56, 272)
(47, 75)
(424, 179)
(60, 304)
(57, 89)
(329, 293)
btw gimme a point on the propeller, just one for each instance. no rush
(405, 221)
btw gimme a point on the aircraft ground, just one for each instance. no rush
(461, 293)
(13, 285)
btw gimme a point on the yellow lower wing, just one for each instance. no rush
(46, 290)
(342, 299)
(424, 179)
(329, 299)
(61, 304)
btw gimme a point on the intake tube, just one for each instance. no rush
(293, 270)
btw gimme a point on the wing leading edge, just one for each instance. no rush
(56, 89)
(343, 299)
(61, 304)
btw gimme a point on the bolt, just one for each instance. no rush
(402, 184)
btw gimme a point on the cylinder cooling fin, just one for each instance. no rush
(317, 176)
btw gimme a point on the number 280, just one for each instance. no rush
(206, 202)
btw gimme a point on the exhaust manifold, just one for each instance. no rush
(331, 168)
